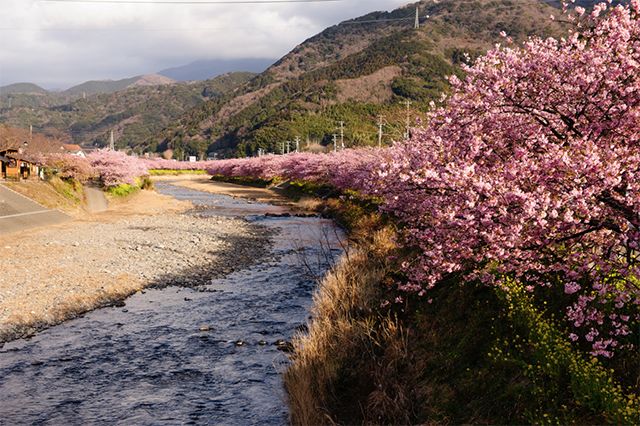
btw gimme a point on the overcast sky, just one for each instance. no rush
(57, 45)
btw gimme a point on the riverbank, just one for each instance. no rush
(55, 274)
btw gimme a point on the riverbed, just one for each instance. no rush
(209, 354)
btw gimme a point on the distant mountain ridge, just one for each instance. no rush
(206, 69)
(88, 88)
(110, 86)
(22, 88)
(135, 114)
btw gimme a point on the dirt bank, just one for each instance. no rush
(53, 274)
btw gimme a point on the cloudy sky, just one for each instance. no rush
(58, 44)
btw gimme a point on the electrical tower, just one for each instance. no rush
(380, 123)
(297, 143)
(417, 23)
(408, 123)
(342, 135)
(112, 142)
(335, 143)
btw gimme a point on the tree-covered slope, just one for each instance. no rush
(134, 114)
(355, 72)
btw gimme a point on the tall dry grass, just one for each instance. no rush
(346, 333)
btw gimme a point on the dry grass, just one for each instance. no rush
(374, 88)
(346, 328)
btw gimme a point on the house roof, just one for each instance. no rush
(14, 138)
(72, 147)
(12, 154)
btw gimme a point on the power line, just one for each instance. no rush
(189, 2)
(439, 14)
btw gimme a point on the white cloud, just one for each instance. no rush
(58, 45)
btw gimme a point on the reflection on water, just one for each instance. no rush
(150, 363)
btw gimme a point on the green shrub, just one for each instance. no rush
(122, 190)
(567, 384)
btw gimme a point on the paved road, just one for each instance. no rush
(18, 212)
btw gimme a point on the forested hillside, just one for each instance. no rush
(135, 114)
(356, 72)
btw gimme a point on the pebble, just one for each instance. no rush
(120, 257)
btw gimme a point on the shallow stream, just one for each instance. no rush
(153, 361)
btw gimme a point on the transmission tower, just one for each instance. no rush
(408, 123)
(417, 23)
(380, 124)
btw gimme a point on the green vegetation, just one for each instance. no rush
(71, 189)
(466, 353)
(300, 96)
(122, 190)
(137, 114)
(125, 189)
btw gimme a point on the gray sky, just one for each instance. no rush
(58, 45)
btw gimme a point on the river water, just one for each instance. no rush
(153, 362)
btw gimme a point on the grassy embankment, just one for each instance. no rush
(68, 194)
(466, 353)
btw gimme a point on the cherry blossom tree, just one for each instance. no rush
(529, 171)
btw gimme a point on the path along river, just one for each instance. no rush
(149, 363)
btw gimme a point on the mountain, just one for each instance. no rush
(33, 96)
(27, 88)
(206, 69)
(135, 113)
(354, 72)
(111, 86)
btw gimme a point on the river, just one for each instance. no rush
(178, 355)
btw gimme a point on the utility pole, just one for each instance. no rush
(342, 135)
(380, 123)
(417, 23)
(297, 143)
(288, 146)
(408, 123)
(112, 142)
(335, 143)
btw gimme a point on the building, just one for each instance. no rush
(18, 166)
(73, 149)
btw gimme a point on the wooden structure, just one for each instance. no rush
(17, 166)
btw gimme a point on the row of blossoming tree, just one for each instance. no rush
(529, 172)
(110, 168)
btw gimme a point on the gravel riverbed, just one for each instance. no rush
(52, 275)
